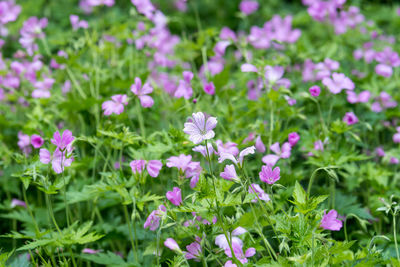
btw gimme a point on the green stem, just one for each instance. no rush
(332, 192)
(395, 236)
(140, 118)
(271, 123)
(128, 221)
(220, 218)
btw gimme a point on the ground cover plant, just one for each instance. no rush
(199, 133)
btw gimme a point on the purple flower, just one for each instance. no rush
(293, 138)
(284, 153)
(260, 145)
(199, 128)
(24, 142)
(181, 162)
(363, 97)
(90, 251)
(137, 166)
(384, 70)
(273, 76)
(171, 244)
(318, 145)
(16, 202)
(9, 12)
(256, 189)
(153, 221)
(31, 30)
(36, 141)
(269, 176)
(153, 168)
(175, 196)
(248, 68)
(228, 147)
(203, 150)
(350, 118)
(193, 251)
(396, 137)
(226, 155)
(248, 6)
(42, 88)
(59, 160)
(394, 160)
(62, 141)
(116, 105)
(237, 246)
(330, 222)
(338, 82)
(209, 88)
(229, 173)
(184, 88)
(144, 7)
(380, 152)
(76, 23)
(142, 92)
(315, 90)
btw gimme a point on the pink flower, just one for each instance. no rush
(9, 11)
(137, 166)
(237, 246)
(193, 251)
(260, 145)
(24, 142)
(62, 141)
(142, 92)
(171, 244)
(90, 251)
(59, 160)
(273, 76)
(256, 189)
(181, 162)
(153, 168)
(350, 118)
(209, 88)
(284, 153)
(363, 97)
(199, 128)
(384, 70)
(31, 30)
(16, 202)
(239, 161)
(228, 147)
(248, 68)
(203, 150)
(76, 23)
(42, 88)
(394, 160)
(116, 105)
(248, 6)
(338, 82)
(396, 137)
(318, 145)
(229, 173)
(269, 176)
(36, 141)
(380, 152)
(315, 90)
(293, 138)
(153, 221)
(330, 222)
(175, 196)
(184, 88)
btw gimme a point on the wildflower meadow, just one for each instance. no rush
(199, 133)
